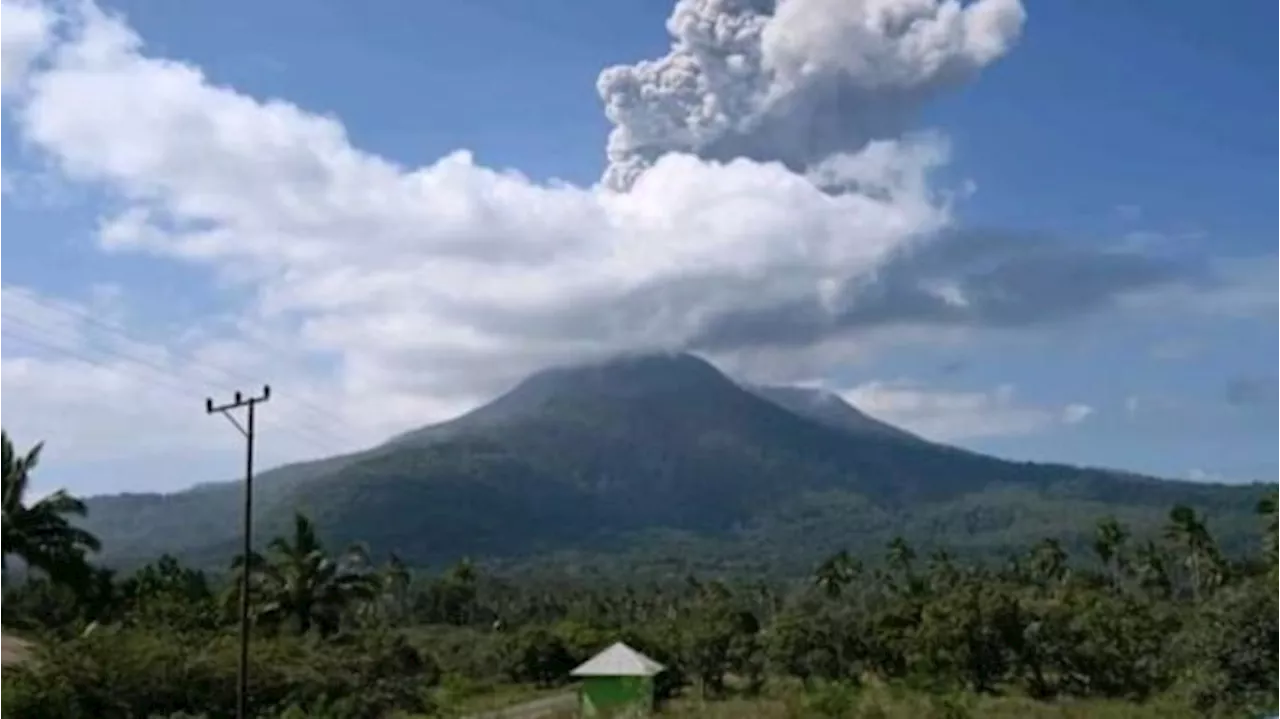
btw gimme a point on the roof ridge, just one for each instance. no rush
(618, 660)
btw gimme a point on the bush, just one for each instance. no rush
(1230, 649)
(833, 699)
(131, 673)
(539, 657)
(21, 698)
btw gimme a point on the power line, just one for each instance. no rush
(8, 334)
(174, 380)
(157, 375)
(120, 331)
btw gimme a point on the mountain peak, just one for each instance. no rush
(633, 373)
(691, 382)
(829, 408)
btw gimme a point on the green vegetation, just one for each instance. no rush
(1166, 625)
(40, 533)
(658, 467)
(781, 554)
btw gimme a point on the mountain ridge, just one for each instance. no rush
(594, 456)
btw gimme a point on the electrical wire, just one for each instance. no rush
(153, 373)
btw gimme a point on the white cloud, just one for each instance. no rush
(1076, 413)
(950, 415)
(26, 30)
(1131, 405)
(1200, 475)
(421, 290)
(77, 379)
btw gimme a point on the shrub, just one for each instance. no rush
(131, 673)
(539, 657)
(833, 699)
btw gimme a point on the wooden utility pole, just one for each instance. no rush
(247, 429)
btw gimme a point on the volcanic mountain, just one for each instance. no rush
(664, 459)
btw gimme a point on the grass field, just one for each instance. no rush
(876, 702)
(882, 706)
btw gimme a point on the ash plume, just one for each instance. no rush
(794, 81)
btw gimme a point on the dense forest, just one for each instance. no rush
(1167, 623)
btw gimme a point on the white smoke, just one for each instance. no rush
(797, 81)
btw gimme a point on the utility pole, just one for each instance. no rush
(242, 675)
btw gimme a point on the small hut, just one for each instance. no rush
(617, 682)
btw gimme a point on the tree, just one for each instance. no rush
(1152, 570)
(452, 598)
(836, 572)
(1202, 561)
(721, 638)
(540, 657)
(1267, 507)
(963, 634)
(804, 642)
(900, 555)
(395, 580)
(1108, 544)
(1049, 561)
(165, 593)
(41, 534)
(297, 583)
(900, 558)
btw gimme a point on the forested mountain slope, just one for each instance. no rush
(665, 459)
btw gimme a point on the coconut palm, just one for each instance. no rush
(296, 583)
(1151, 567)
(835, 573)
(1202, 560)
(391, 603)
(1049, 560)
(41, 533)
(1108, 544)
(1269, 507)
(899, 556)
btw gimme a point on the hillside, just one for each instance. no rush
(667, 460)
(829, 409)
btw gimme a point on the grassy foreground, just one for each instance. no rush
(887, 705)
(837, 701)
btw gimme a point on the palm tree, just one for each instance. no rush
(394, 581)
(835, 572)
(1152, 570)
(1267, 507)
(297, 583)
(1108, 544)
(40, 534)
(1202, 560)
(1049, 560)
(900, 555)
(942, 569)
(900, 558)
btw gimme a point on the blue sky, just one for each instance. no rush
(1103, 129)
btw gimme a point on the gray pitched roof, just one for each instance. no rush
(618, 660)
